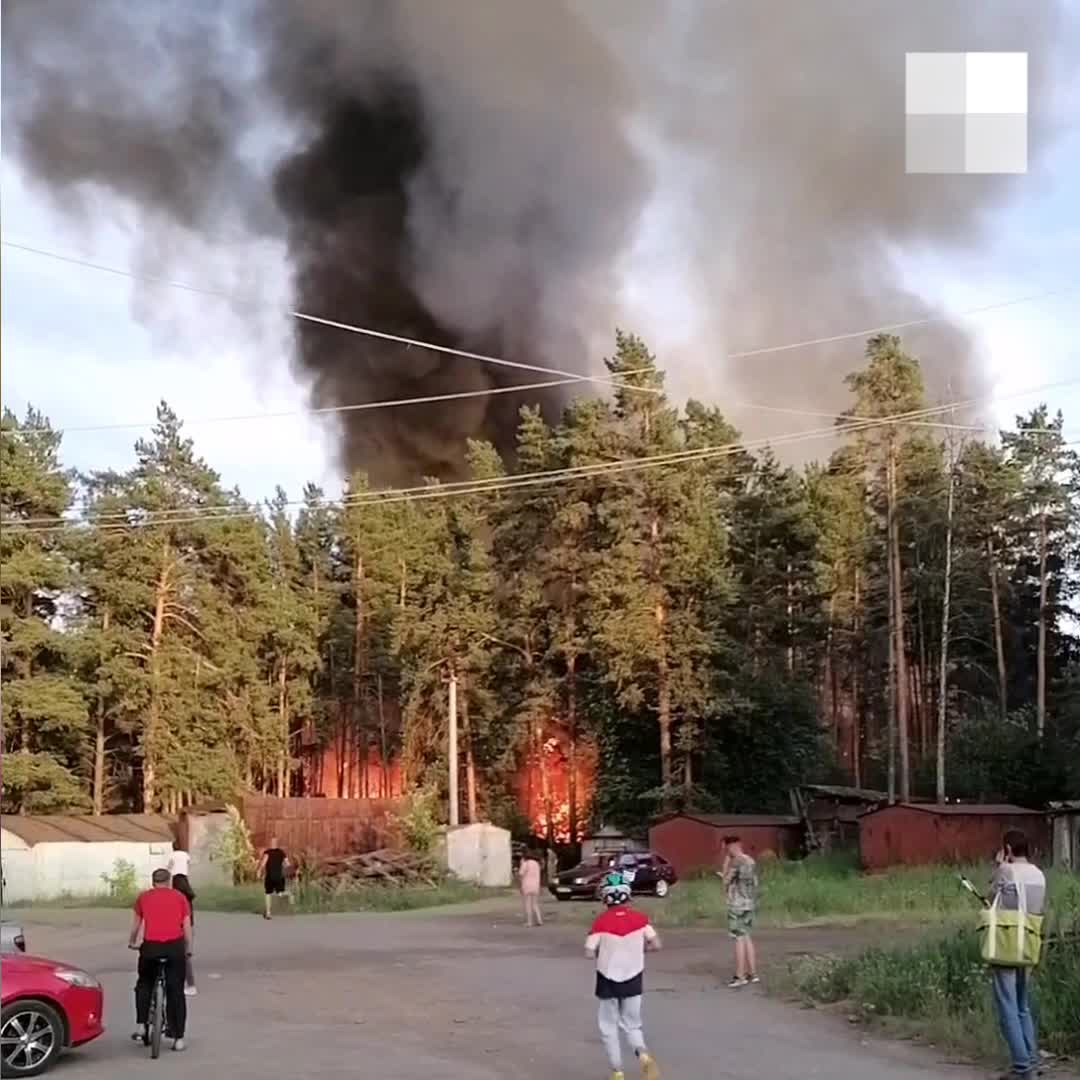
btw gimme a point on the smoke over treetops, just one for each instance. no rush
(476, 174)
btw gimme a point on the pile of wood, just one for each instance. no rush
(385, 867)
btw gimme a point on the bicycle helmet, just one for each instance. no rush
(614, 889)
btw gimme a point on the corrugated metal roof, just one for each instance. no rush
(77, 828)
(837, 791)
(726, 821)
(962, 810)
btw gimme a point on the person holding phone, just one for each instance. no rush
(1018, 884)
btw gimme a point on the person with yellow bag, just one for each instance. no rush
(1010, 932)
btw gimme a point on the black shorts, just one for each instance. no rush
(274, 886)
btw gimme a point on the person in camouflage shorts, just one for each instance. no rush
(740, 877)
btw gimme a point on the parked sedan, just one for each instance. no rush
(47, 1007)
(646, 872)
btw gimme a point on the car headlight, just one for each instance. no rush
(579, 881)
(74, 977)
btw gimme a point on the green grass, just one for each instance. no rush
(309, 901)
(938, 988)
(935, 986)
(832, 889)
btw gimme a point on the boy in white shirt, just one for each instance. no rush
(619, 939)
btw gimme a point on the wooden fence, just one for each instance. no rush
(314, 826)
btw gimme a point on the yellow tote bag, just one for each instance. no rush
(1010, 938)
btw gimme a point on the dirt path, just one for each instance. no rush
(448, 996)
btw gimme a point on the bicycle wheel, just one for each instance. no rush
(157, 1018)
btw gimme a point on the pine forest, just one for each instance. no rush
(639, 611)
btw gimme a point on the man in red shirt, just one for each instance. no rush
(164, 916)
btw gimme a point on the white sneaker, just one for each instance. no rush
(191, 991)
(179, 1044)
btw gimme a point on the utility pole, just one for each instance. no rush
(453, 747)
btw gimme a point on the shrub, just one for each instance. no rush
(419, 821)
(123, 882)
(235, 849)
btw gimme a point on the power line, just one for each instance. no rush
(848, 335)
(387, 403)
(498, 484)
(849, 424)
(845, 418)
(332, 323)
(928, 320)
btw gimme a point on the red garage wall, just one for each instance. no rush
(696, 842)
(917, 834)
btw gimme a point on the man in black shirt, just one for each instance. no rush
(272, 868)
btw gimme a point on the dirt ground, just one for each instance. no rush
(447, 995)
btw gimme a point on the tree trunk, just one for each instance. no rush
(153, 719)
(571, 733)
(790, 589)
(283, 722)
(470, 761)
(999, 638)
(921, 682)
(856, 685)
(545, 787)
(663, 700)
(26, 670)
(831, 689)
(892, 694)
(384, 774)
(1040, 704)
(943, 671)
(900, 642)
(359, 662)
(99, 728)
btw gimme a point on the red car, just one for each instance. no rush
(47, 1007)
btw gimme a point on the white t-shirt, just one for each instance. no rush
(179, 863)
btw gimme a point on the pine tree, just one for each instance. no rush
(44, 710)
(1049, 503)
(887, 391)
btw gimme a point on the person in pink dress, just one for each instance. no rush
(529, 873)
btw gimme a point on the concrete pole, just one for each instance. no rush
(453, 750)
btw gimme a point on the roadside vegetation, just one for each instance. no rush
(931, 984)
(832, 889)
(936, 988)
(308, 900)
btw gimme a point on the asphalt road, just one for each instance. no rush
(443, 997)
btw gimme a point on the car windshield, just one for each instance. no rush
(602, 861)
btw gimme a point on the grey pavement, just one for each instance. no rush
(447, 996)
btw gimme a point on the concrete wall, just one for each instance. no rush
(202, 834)
(53, 869)
(480, 853)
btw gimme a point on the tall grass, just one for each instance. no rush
(937, 986)
(833, 888)
(307, 900)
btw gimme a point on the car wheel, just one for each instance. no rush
(31, 1038)
(661, 887)
(562, 897)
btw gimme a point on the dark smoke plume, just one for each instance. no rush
(474, 173)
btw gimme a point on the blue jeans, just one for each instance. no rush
(1011, 1001)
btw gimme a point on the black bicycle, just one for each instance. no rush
(154, 1030)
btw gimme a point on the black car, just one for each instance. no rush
(645, 871)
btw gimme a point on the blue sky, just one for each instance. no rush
(80, 346)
